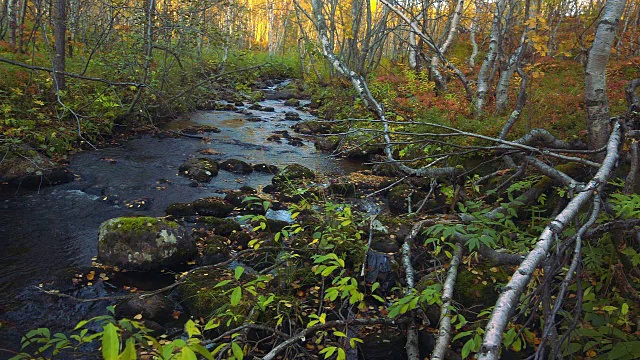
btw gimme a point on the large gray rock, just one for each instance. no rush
(144, 243)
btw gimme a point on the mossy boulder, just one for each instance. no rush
(213, 206)
(180, 209)
(293, 172)
(246, 201)
(328, 143)
(311, 127)
(216, 250)
(222, 227)
(199, 169)
(144, 243)
(199, 294)
(236, 166)
(292, 102)
(27, 168)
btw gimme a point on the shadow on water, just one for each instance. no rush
(48, 235)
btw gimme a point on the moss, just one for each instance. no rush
(222, 227)
(198, 292)
(213, 206)
(136, 225)
(479, 285)
(293, 172)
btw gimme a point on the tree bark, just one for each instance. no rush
(489, 60)
(595, 74)
(510, 296)
(441, 84)
(59, 33)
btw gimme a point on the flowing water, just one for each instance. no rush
(48, 235)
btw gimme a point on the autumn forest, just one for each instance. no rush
(309, 179)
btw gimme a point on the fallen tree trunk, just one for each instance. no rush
(510, 297)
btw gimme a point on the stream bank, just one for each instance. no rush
(49, 235)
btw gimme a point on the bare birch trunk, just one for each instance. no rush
(595, 74)
(441, 84)
(472, 36)
(489, 60)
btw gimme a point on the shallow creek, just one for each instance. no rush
(48, 235)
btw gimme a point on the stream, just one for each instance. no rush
(47, 236)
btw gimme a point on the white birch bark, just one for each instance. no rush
(595, 74)
(490, 58)
(510, 297)
(453, 29)
(472, 36)
(272, 41)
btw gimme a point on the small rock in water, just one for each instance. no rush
(271, 169)
(292, 115)
(292, 102)
(236, 166)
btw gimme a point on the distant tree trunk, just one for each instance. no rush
(272, 38)
(59, 33)
(12, 19)
(595, 74)
(490, 58)
(441, 84)
(472, 36)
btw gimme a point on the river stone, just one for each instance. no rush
(28, 168)
(220, 226)
(329, 143)
(144, 243)
(266, 168)
(291, 115)
(292, 102)
(180, 209)
(213, 206)
(311, 127)
(156, 308)
(236, 166)
(293, 172)
(199, 169)
(216, 250)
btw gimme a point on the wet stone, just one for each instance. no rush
(212, 206)
(236, 166)
(199, 169)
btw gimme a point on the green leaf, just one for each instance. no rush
(202, 351)
(110, 342)
(187, 354)
(375, 286)
(341, 354)
(237, 351)
(191, 328)
(81, 324)
(467, 348)
(339, 334)
(129, 352)
(625, 350)
(238, 272)
(211, 324)
(222, 283)
(236, 295)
